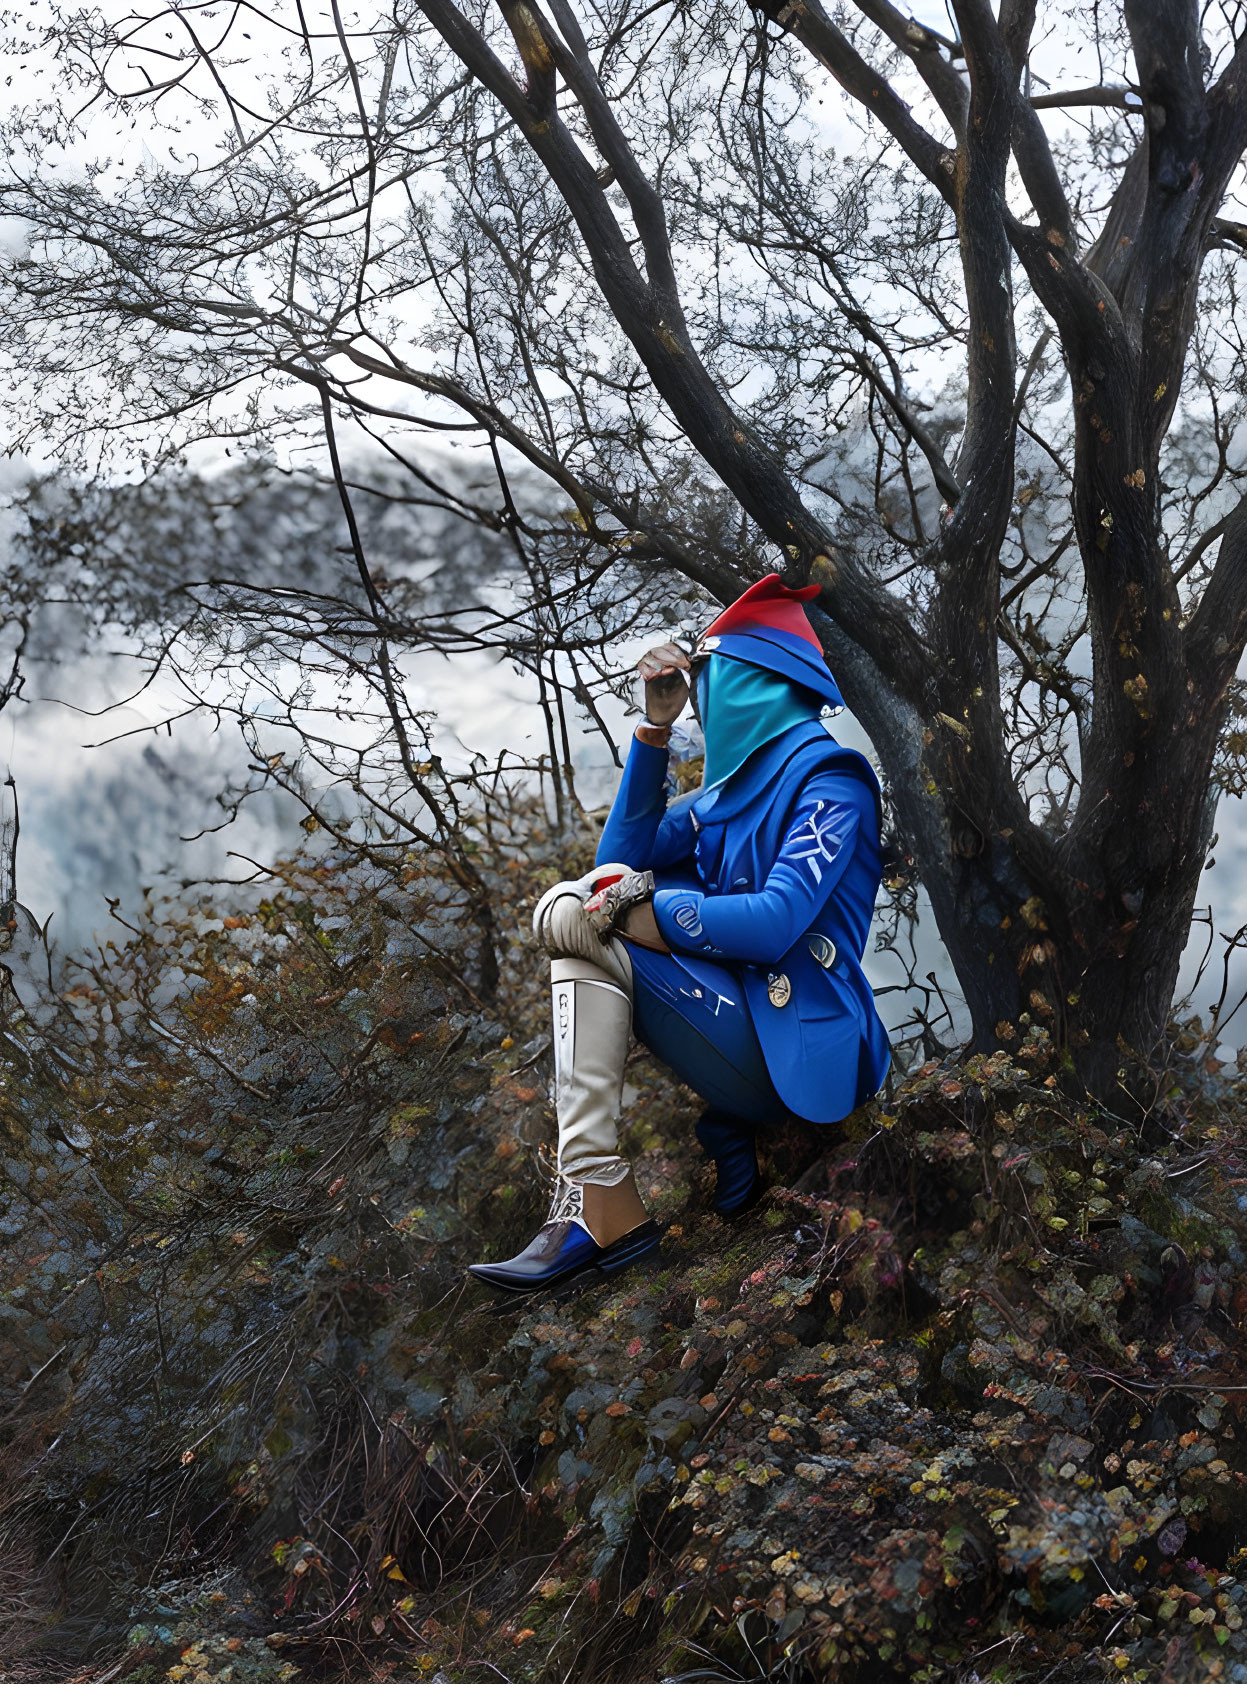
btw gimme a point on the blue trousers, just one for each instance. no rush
(691, 1014)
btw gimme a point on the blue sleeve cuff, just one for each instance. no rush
(677, 912)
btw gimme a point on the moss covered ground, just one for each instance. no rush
(962, 1398)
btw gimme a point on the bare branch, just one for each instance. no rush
(928, 51)
(1120, 99)
(808, 22)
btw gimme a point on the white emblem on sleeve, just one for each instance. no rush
(688, 919)
(811, 841)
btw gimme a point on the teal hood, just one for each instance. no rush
(742, 707)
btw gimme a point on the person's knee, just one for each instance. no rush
(560, 923)
(563, 928)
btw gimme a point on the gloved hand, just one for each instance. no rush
(608, 904)
(666, 686)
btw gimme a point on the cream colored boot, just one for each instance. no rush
(591, 1022)
(597, 1221)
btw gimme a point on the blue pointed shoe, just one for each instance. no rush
(564, 1248)
(731, 1144)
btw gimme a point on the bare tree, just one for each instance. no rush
(943, 321)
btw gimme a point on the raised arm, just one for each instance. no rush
(641, 831)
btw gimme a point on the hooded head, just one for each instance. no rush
(760, 670)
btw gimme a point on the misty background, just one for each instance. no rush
(128, 782)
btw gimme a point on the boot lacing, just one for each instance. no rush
(548, 1171)
(568, 1202)
(567, 1199)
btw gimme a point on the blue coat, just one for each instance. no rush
(785, 851)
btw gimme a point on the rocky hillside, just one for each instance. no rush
(963, 1398)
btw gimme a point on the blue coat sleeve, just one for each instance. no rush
(760, 927)
(641, 830)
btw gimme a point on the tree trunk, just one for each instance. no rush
(1088, 941)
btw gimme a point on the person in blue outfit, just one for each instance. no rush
(724, 929)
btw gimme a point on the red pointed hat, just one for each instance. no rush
(767, 626)
(771, 603)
